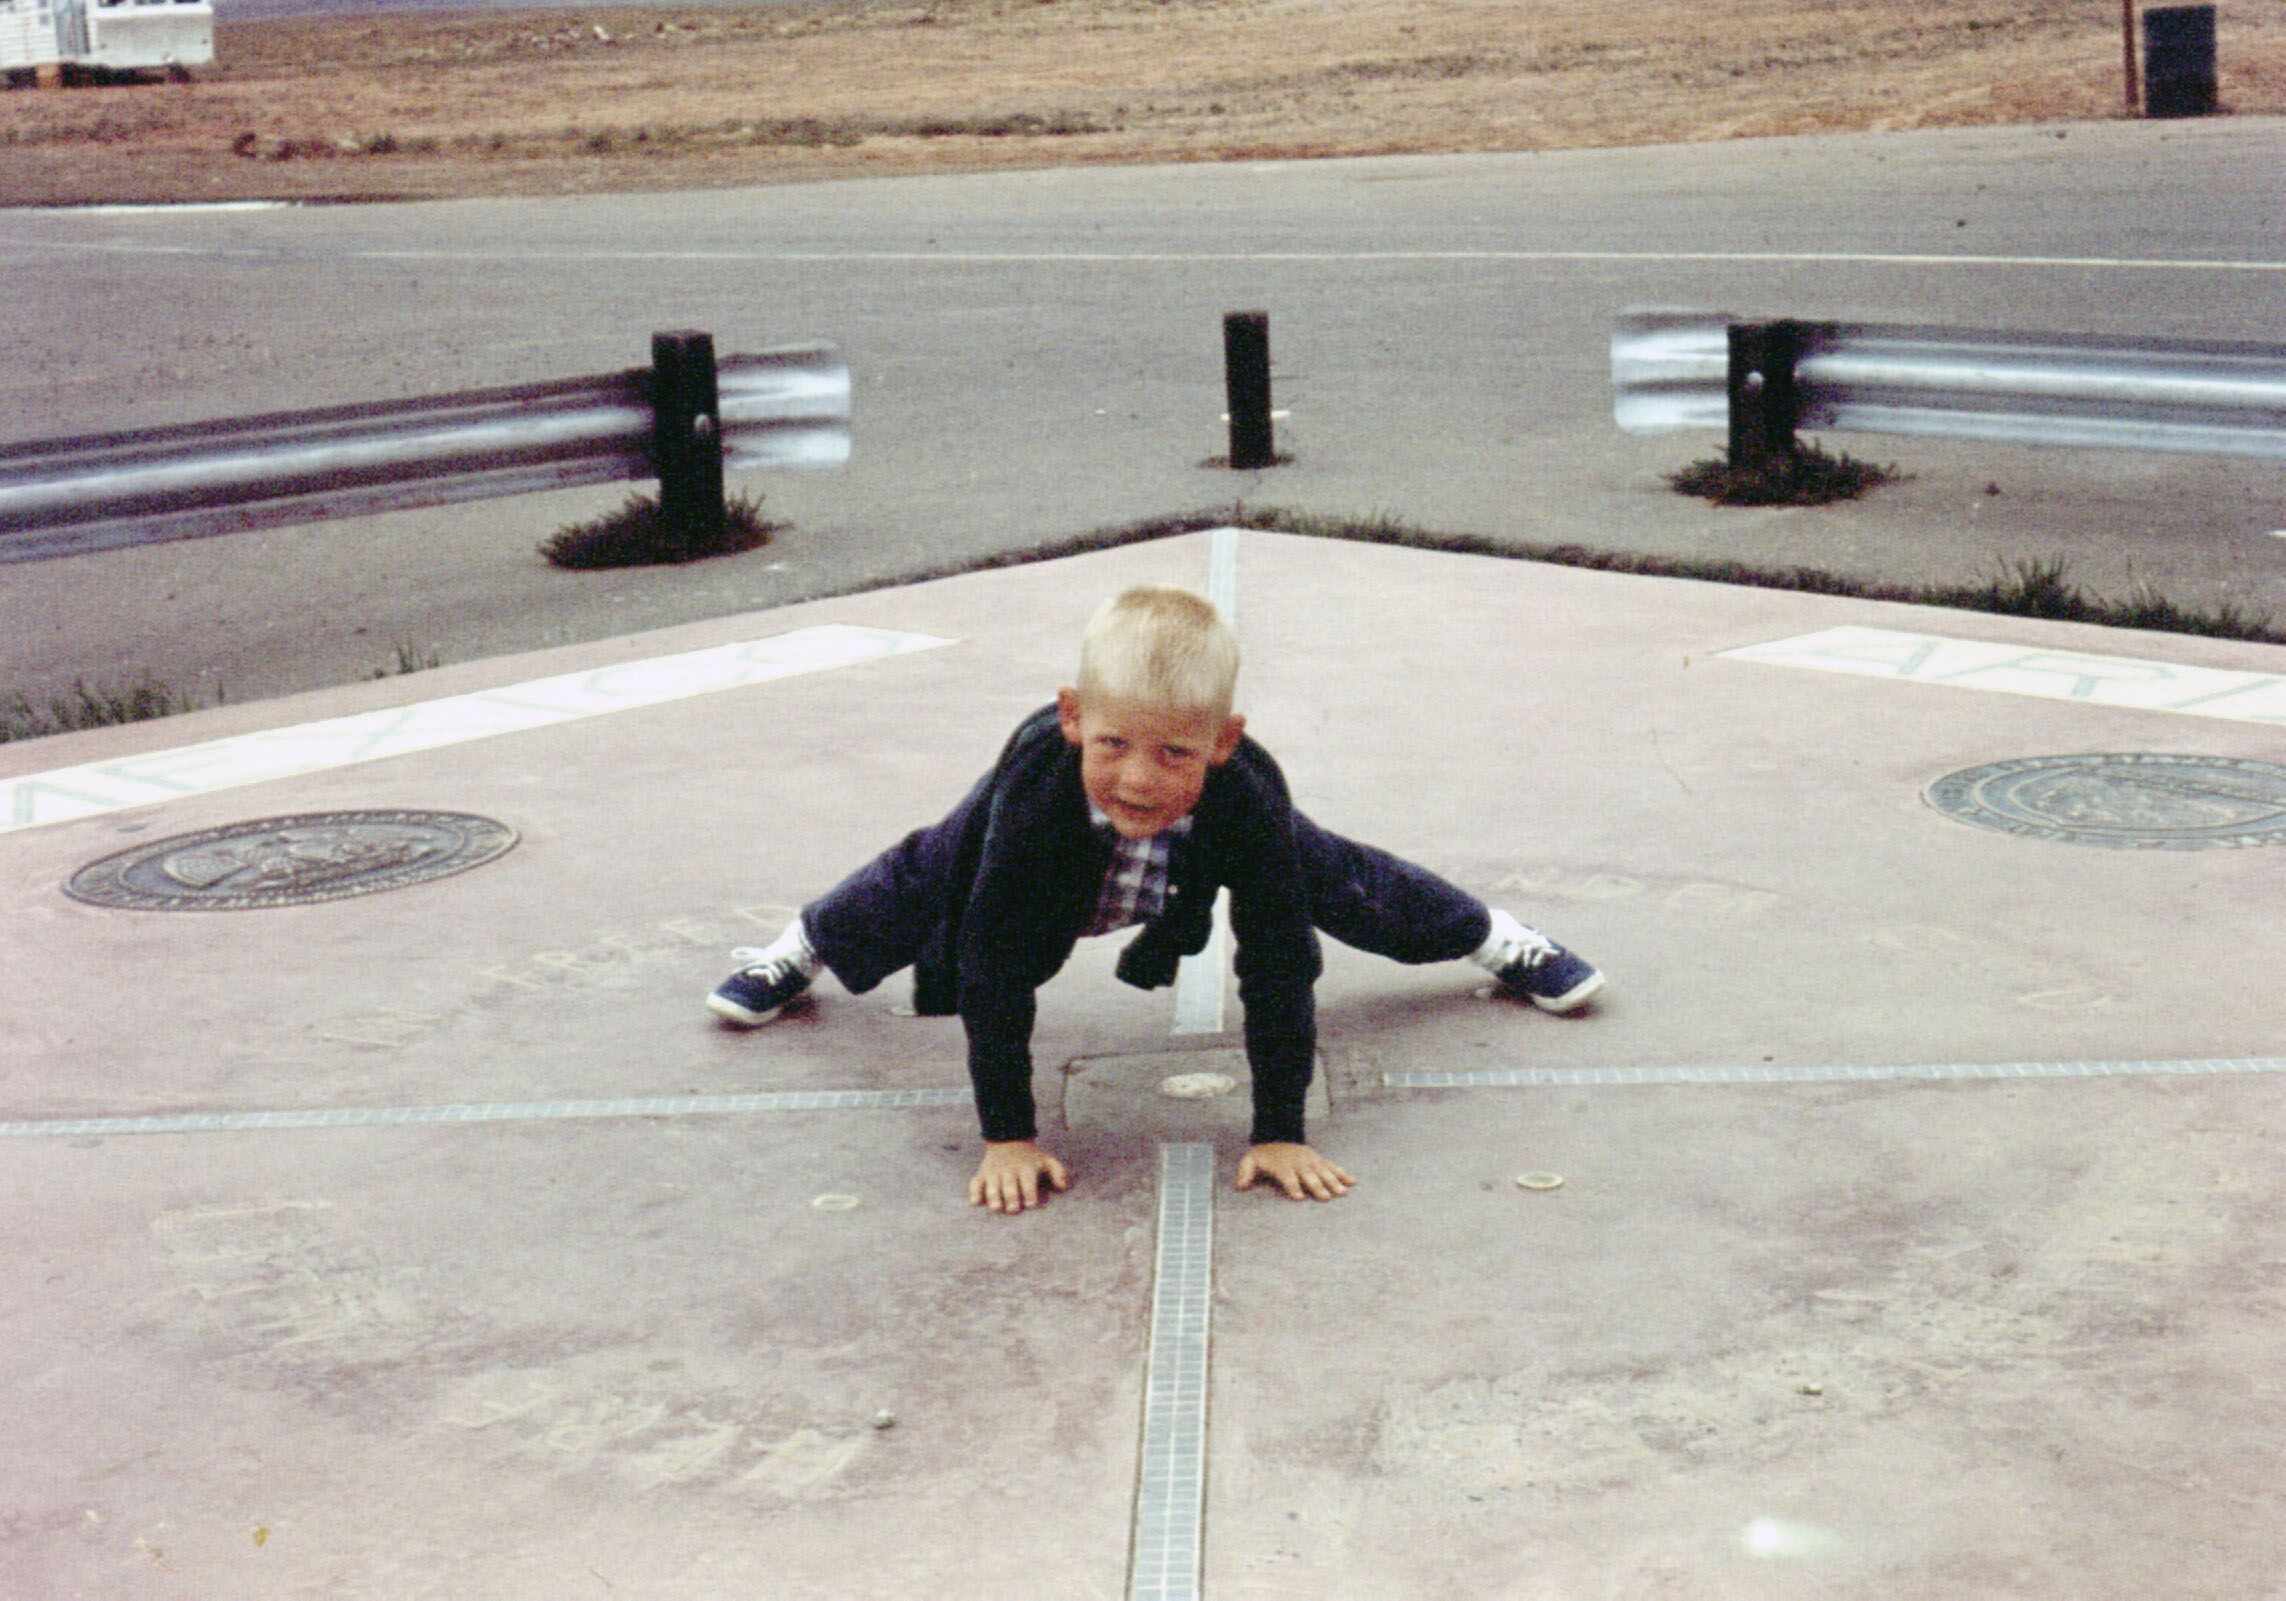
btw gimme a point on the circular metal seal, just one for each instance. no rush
(2131, 802)
(290, 861)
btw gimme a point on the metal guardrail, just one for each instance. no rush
(779, 408)
(1681, 370)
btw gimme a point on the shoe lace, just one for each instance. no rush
(1530, 951)
(755, 960)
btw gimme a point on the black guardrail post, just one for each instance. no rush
(2179, 61)
(1246, 383)
(1765, 403)
(687, 440)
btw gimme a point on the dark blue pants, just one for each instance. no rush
(1381, 903)
(875, 921)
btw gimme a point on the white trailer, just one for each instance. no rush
(43, 37)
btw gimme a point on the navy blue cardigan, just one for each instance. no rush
(994, 897)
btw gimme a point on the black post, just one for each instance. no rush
(2179, 61)
(1246, 381)
(686, 441)
(1765, 404)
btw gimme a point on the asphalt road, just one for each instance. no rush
(1038, 354)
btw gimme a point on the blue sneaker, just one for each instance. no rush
(758, 991)
(1547, 975)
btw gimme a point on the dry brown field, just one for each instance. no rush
(555, 101)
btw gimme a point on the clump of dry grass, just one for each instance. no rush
(1807, 475)
(637, 536)
(91, 706)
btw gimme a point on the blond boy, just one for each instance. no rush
(1132, 801)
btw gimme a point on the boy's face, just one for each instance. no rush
(1144, 765)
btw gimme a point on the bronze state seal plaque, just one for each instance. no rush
(290, 861)
(2131, 802)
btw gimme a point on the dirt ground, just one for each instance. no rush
(553, 101)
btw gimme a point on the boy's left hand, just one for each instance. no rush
(1296, 1169)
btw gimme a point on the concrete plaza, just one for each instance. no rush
(1915, 1234)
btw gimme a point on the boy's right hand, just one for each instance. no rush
(1008, 1179)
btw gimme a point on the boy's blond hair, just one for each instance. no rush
(1162, 646)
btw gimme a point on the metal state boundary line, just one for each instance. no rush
(864, 1100)
(1170, 1492)
(495, 1112)
(1550, 1077)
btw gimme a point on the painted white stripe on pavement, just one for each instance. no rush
(1222, 573)
(1172, 258)
(2129, 682)
(154, 776)
(181, 208)
(1200, 980)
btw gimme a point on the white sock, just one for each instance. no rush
(1508, 940)
(791, 946)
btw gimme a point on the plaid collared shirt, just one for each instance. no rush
(1135, 886)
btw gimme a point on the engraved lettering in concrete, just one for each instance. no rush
(2144, 684)
(139, 780)
(279, 1274)
(1701, 897)
(652, 1439)
(612, 956)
